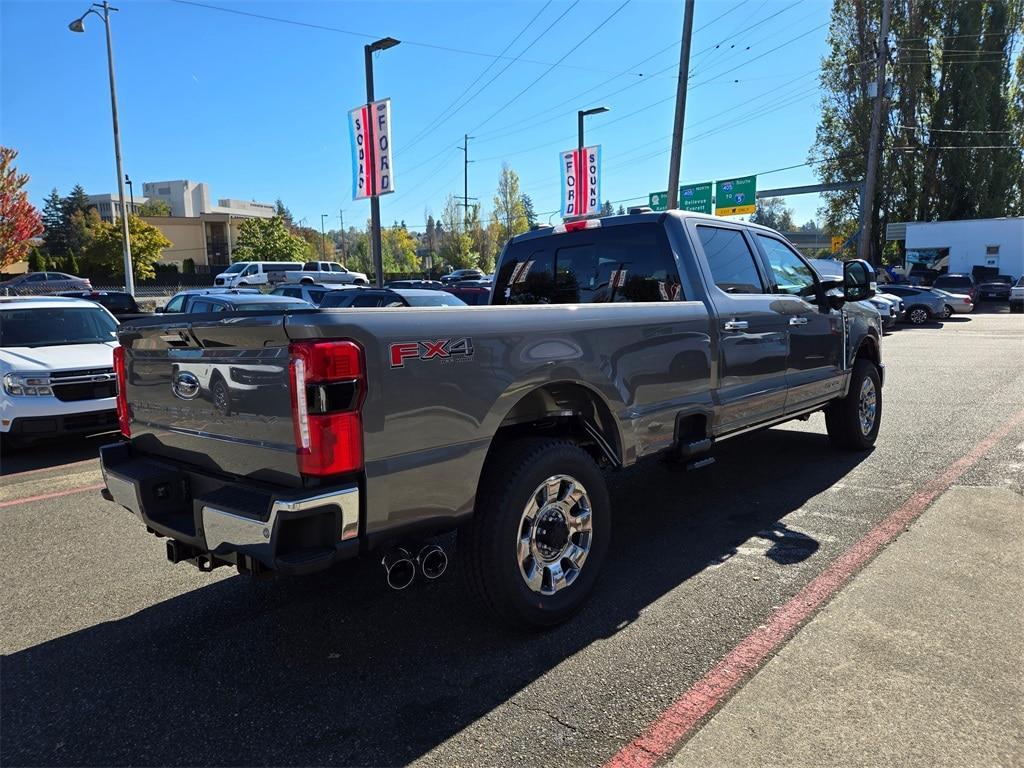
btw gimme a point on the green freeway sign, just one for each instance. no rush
(736, 196)
(695, 197)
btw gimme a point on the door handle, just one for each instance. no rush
(735, 325)
(798, 321)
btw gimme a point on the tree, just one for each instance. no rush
(948, 113)
(19, 219)
(36, 261)
(104, 253)
(508, 203)
(53, 224)
(456, 245)
(607, 209)
(621, 210)
(268, 240)
(772, 212)
(154, 207)
(282, 210)
(398, 250)
(531, 217)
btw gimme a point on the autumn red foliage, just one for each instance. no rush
(19, 219)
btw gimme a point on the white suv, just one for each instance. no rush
(56, 368)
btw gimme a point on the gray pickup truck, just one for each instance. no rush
(607, 341)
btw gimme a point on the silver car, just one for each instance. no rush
(44, 282)
(956, 303)
(923, 306)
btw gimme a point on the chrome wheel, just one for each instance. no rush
(555, 535)
(867, 406)
(947, 312)
(918, 316)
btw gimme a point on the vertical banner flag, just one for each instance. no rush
(581, 182)
(358, 119)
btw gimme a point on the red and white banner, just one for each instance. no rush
(581, 182)
(359, 132)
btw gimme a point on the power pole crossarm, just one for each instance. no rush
(871, 177)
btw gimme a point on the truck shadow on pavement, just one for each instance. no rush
(335, 670)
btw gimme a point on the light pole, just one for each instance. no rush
(581, 204)
(78, 25)
(680, 119)
(131, 191)
(323, 238)
(344, 250)
(375, 247)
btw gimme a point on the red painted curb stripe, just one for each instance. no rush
(675, 723)
(54, 495)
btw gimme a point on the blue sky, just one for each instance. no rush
(258, 108)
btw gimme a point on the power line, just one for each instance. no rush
(422, 134)
(367, 35)
(566, 55)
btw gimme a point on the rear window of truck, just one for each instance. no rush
(625, 263)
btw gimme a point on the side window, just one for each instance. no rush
(201, 305)
(316, 296)
(526, 277)
(250, 270)
(218, 307)
(792, 275)
(730, 260)
(38, 277)
(336, 268)
(366, 301)
(295, 293)
(174, 305)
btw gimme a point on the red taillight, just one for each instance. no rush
(328, 423)
(123, 417)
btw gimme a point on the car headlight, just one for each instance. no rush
(27, 385)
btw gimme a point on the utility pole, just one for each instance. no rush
(323, 238)
(375, 244)
(465, 178)
(344, 250)
(677, 129)
(871, 177)
(581, 161)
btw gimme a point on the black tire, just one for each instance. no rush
(242, 285)
(947, 312)
(842, 417)
(221, 395)
(306, 281)
(918, 315)
(487, 543)
(359, 282)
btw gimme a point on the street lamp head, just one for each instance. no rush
(383, 44)
(594, 111)
(78, 25)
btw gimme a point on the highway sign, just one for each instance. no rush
(735, 197)
(692, 197)
(695, 197)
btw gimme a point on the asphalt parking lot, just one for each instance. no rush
(112, 656)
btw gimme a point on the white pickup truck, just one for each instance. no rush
(325, 272)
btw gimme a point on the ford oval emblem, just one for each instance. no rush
(185, 385)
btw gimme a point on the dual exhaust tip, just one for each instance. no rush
(401, 567)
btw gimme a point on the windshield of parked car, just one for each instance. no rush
(53, 326)
(435, 300)
(235, 268)
(1020, 282)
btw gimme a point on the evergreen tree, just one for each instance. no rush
(621, 210)
(531, 217)
(53, 224)
(282, 210)
(36, 261)
(607, 209)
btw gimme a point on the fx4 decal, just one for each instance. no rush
(442, 349)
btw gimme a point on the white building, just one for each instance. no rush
(109, 206)
(978, 246)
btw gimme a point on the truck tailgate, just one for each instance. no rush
(213, 391)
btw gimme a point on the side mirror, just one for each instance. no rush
(858, 280)
(159, 310)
